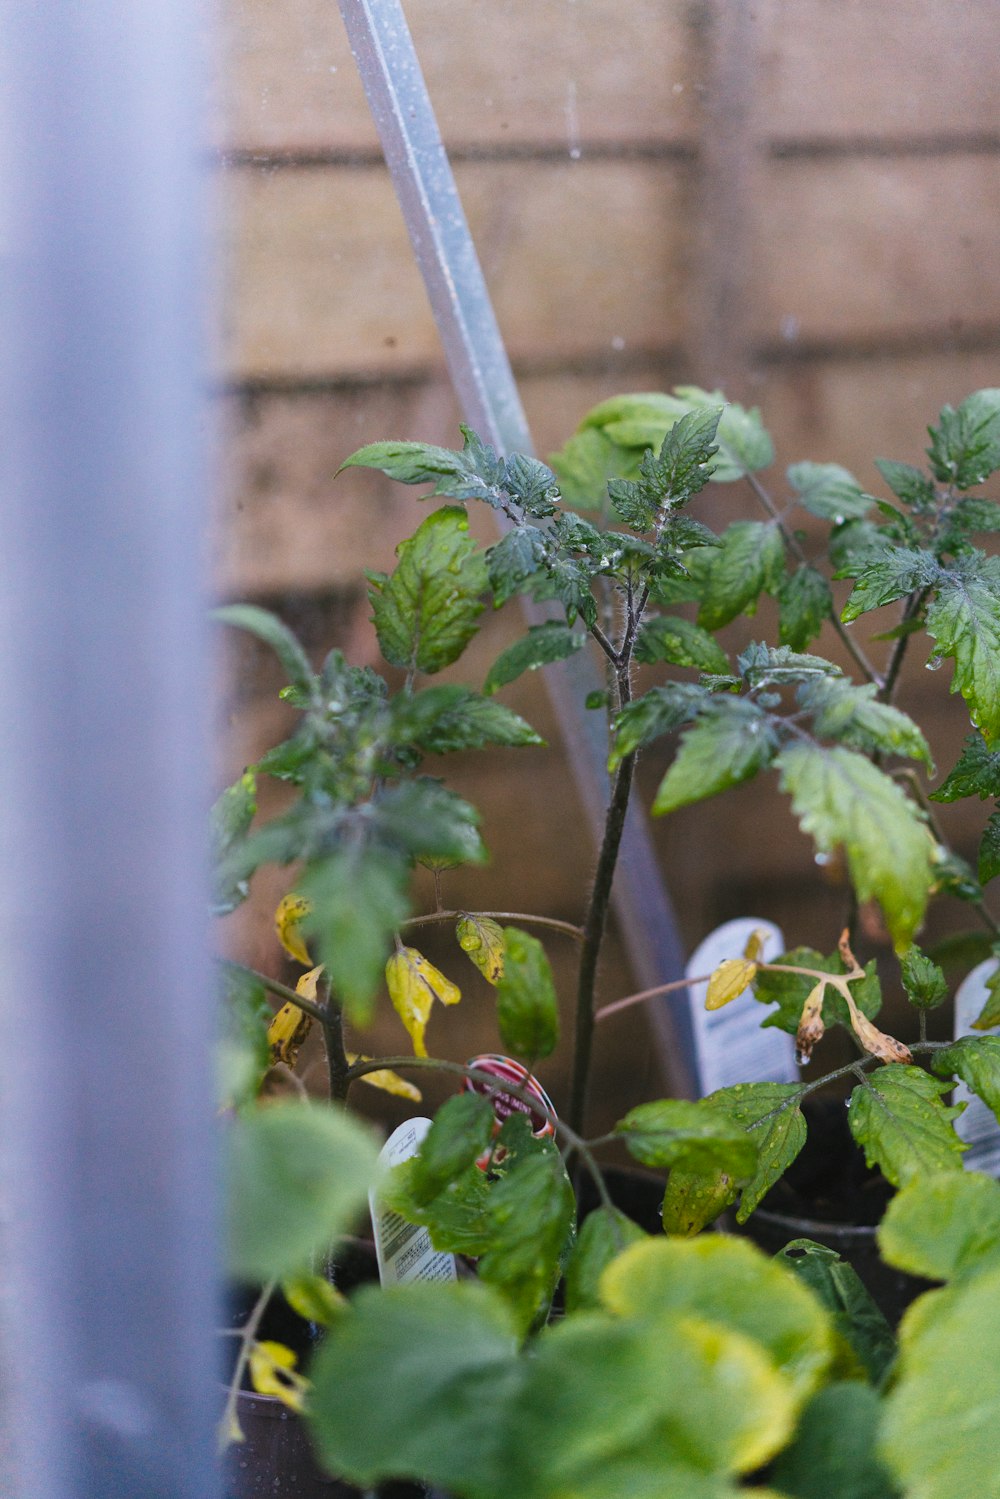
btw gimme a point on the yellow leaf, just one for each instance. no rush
(755, 944)
(876, 1042)
(414, 984)
(291, 1026)
(286, 920)
(728, 982)
(482, 939)
(389, 1082)
(811, 1027)
(272, 1372)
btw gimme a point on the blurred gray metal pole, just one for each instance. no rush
(105, 997)
(487, 394)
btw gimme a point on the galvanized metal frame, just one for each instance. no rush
(108, 1165)
(484, 383)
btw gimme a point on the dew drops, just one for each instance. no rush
(935, 663)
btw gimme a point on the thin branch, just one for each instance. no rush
(248, 1336)
(552, 922)
(912, 607)
(644, 994)
(273, 986)
(604, 643)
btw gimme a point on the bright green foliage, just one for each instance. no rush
(789, 991)
(890, 575)
(298, 1175)
(461, 1130)
(527, 1009)
(682, 467)
(829, 491)
(897, 1117)
(855, 1315)
(853, 716)
(358, 901)
(679, 641)
(603, 1235)
(695, 1136)
(728, 744)
(770, 1115)
(425, 611)
(965, 448)
(939, 1431)
(543, 644)
(924, 981)
(844, 801)
(728, 1281)
(531, 1214)
(941, 1226)
(834, 1452)
(989, 850)
(976, 1061)
(750, 561)
(805, 601)
(964, 620)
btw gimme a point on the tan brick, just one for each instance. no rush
(856, 248)
(319, 276)
(832, 68)
(553, 72)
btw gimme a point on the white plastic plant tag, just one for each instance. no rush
(403, 1250)
(730, 1046)
(977, 1125)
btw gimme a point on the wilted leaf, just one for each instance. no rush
(731, 979)
(898, 1119)
(291, 910)
(386, 1080)
(273, 1372)
(291, 1025)
(481, 939)
(414, 984)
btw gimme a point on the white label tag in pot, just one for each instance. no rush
(730, 1046)
(978, 1124)
(404, 1251)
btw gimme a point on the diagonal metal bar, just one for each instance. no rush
(484, 383)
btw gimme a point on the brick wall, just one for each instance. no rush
(797, 199)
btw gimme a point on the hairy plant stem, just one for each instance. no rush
(593, 933)
(912, 607)
(338, 1067)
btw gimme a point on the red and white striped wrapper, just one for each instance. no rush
(506, 1070)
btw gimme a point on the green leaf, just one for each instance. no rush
(269, 628)
(976, 774)
(604, 1234)
(527, 1009)
(673, 1132)
(725, 746)
(584, 466)
(728, 1281)
(853, 716)
(313, 1298)
(242, 1050)
(297, 1176)
(965, 448)
(655, 713)
(425, 612)
(770, 1114)
(443, 1413)
(964, 620)
(531, 483)
(358, 901)
(551, 641)
(835, 1451)
(909, 484)
(976, 1060)
(989, 850)
(229, 821)
(411, 463)
(939, 1428)
(465, 721)
(744, 444)
(679, 470)
(805, 601)
(940, 1226)
(924, 982)
(531, 1211)
(457, 1218)
(897, 1117)
(789, 991)
(518, 560)
(968, 517)
(855, 1315)
(891, 575)
(762, 665)
(750, 561)
(990, 1014)
(461, 1131)
(829, 491)
(844, 801)
(668, 637)
(430, 823)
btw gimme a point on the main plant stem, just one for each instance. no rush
(593, 934)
